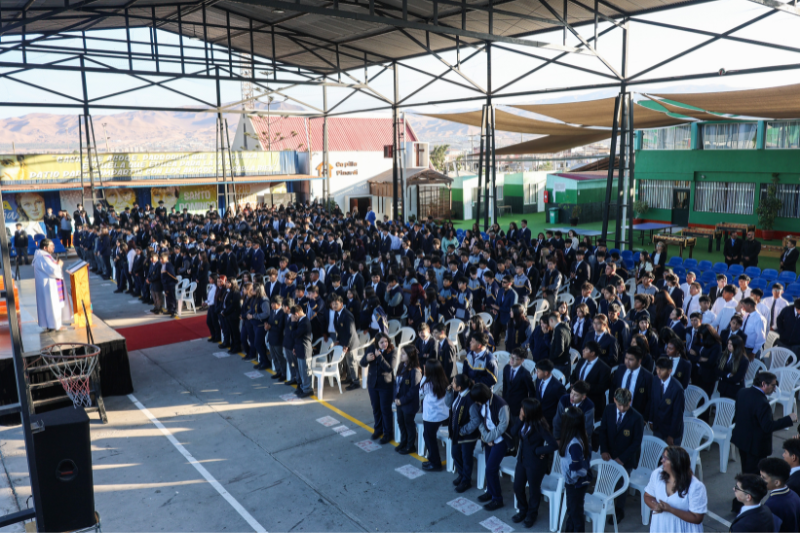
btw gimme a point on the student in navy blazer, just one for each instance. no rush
(407, 399)
(535, 442)
(620, 435)
(666, 410)
(381, 361)
(681, 367)
(749, 491)
(732, 368)
(783, 501)
(636, 379)
(463, 430)
(592, 370)
(548, 389)
(517, 381)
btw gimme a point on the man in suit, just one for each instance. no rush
(732, 250)
(635, 379)
(620, 434)
(584, 298)
(666, 409)
(301, 332)
(425, 344)
(782, 501)
(346, 336)
(791, 454)
(750, 250)
(559, 343)
(788, 327)
(749, 491)
(446, 351)
(581, 273)
(548, 389)
(752, 434)
(578, 396)
(596, 374)
(517, 381)
(789, 257)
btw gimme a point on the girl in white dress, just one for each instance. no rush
(677, 498)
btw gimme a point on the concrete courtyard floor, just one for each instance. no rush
(202, 446)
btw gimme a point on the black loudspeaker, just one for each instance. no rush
(64, 469)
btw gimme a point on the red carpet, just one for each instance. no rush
(164, 332)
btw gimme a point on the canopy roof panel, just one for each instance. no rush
(506, 121)
(771, 102)
(553, 144)
(600, 113)
(307, 32)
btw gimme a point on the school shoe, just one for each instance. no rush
(463, 487)
(262, 366)
(277, 376)
(290, 382)
(353, 386)
(405, 451)
(493, 505)
(485, 497)
(305, 394)
(457, 481)
(385, 440)
(530, 521)
(376, 435)
(430, 467)
(520, 516)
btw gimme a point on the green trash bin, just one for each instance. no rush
(552, 215)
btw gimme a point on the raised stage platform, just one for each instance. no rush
(114, 368)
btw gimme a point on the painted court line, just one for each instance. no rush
(200, 468)
(719, 519)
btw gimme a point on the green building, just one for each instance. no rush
(519, 192)
(585, 190)
(701, 174)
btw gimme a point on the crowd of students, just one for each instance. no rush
(276, 279)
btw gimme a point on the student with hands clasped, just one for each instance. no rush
(381, 362)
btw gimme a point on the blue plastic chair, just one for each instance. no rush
(769, 274)
(690, 263)
(629, 264)
(613, 250)
(675, 261)
(32, 244)
(786, 277)
(708, 286)
(770, 284)
(720, 268)
(708, 277)
(485, 236)
(626, 254)
(696, 271)
(460, 232)
(735, 270)
(753, 272)
(59, 248)
(793, 291)
(679, 271)
(758, 283)
(705, 265)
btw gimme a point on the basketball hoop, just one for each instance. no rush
(73, 364)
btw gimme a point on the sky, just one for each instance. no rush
(648, 45)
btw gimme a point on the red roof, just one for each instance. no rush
(344, 134)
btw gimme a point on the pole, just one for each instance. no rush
(611, 155)
(489, 132)
(494, 168)
(631, 189)
(222, 145)
(480, 167)
(80, 152)
(395, 205)
(622, 178)
(86, 132)
(326, 183)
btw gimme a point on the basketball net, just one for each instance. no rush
(73, 364)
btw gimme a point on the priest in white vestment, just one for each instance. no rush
(50, 291)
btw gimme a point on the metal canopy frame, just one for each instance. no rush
(281, 46)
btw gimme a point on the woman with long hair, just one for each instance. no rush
(381, 361)
(732, 368)
(664, 304)
(495, 417)
(450, 239)
(708, 358)
(535, 442)
(433, 392)
(463, 430)
(678, 499)
(353, 304)
(574, 452)
(407, 399)
(644, 266)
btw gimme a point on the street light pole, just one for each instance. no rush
(105, 135)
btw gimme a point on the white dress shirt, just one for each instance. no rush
(780, 303)
(691, 304)
(753, 327)
(633, 379)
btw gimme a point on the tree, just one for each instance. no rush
(437, 156)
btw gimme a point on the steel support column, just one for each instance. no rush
(611, 155)
(326, 172)
(395, 147)
(480, 167)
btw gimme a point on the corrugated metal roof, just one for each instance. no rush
(135, 184)
(344, 134)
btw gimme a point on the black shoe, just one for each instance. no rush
(290, 382)
(530, 521)
(276, 376)
(464, 487)
(211, 339)
(248, 358)
(376, 435)
(385, 440)
(298, 391)
(400, 448)
(485, 497)
(457, 481)
(520, 516)
(305, 394)
(406, 451)
(117, 291)
(353, 386)
(493, 505)
(262, 366)
(224, 345)
(430, 467)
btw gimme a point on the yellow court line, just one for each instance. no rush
(350, 418)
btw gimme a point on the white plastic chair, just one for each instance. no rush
(772, 336)
(574, 359)
(481, 456)
(508, 466)
(180, 287)
(789, 379)
(394, 328)
(696, 401)
(649, 458)
(502, 361)
(444, 436)
(778, 358)
(404, 316)
(363, 345)
(530, 366)
(722, 427)
(453, 327)
(552, 491)
(487, 318)
(322, 369)
(600, 504)
(539, 305)
(559, 376)
(595, 295)
(631, 284)
(753, 368)
(566, 297)
(697, 437)
(187, 297)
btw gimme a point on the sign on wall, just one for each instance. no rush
(195, 198)
(66, 167)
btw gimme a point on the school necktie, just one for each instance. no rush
(619, 419)
(541, 391)
(628, 381)
(584, 372)
(687, 304)
(513, 373)
(336, 317)
(772, 311)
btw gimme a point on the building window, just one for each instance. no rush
(532, 194)
(783, 135)
(789, 195)
(737, 136)
(722, 197)
(499, 193)
(674, 138)
(658, 193)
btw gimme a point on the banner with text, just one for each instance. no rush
(196, 199)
